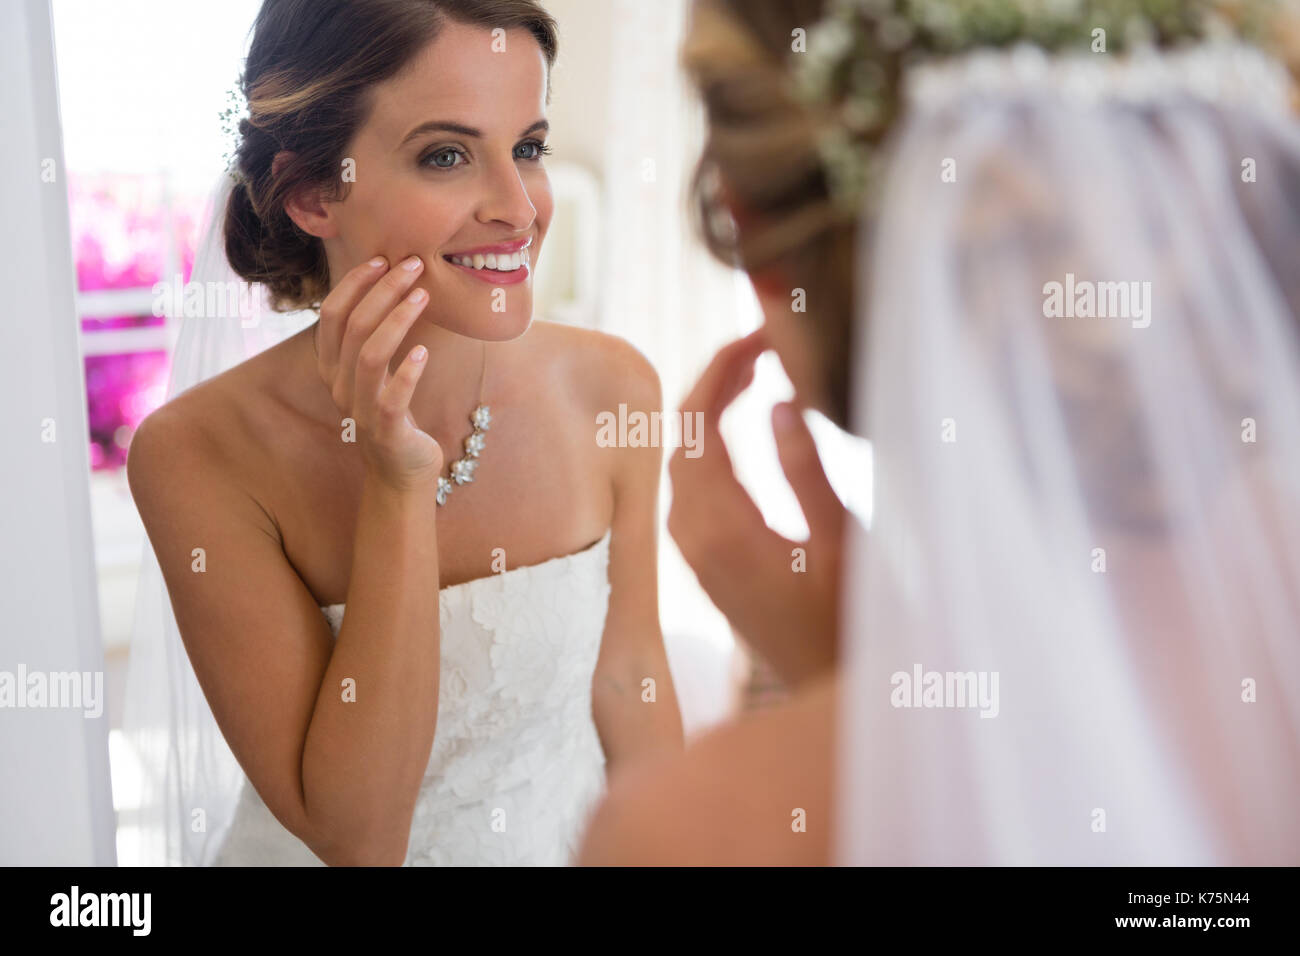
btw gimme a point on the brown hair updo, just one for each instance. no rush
(308, 77)
(760, 147)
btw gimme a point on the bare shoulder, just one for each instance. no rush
(755, 791)
(605, 370)
(177, 432)
(224, 418)
(593, 376)
(196, 442)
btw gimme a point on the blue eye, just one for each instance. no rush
(444, 158)
(531, 150)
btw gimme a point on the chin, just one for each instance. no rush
(499, 327)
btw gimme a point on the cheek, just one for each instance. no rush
(396, 221)
(424, 221)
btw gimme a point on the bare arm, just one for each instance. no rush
(373, 723)
(333, 734)
(756, 791)
(630, 723)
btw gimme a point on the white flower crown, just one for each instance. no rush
(860, 56)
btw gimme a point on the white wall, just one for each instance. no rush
(580, 88)
(55, 801)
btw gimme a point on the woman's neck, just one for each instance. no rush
(449, 386)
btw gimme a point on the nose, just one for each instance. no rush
(506, 200)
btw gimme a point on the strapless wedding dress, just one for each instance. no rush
(516, 765)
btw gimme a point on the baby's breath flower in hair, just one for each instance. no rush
(852, 72)
(235, 111)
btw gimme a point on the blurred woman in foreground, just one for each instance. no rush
(1058, 241)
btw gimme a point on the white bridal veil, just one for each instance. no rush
(179, 779)
(1073, 634)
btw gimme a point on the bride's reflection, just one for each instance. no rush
(418, 597)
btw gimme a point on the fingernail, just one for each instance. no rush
(783, 417)
(377, 261)
(411, 264)
(419, 353)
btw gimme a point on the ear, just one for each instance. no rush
(304, 206)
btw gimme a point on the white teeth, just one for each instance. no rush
(499, 263)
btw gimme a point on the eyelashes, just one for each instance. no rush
(542, 148)
(453, 157)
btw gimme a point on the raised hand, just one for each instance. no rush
(788, 616)
(363, 321)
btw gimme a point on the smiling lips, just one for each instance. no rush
(504, 263)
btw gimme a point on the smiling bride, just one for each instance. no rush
(421, 458)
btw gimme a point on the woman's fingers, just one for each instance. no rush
(726, 376)
(338, 306)
(377, 353)
(803, 469)
(364, 321)
(394, 401)
(710, 508)
(377, 303)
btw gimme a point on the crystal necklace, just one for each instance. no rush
(462, 469)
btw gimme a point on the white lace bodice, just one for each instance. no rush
(516, 764)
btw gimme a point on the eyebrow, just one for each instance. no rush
(434, 126)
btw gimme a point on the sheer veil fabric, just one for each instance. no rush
(188, 779)
(1073, 629)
